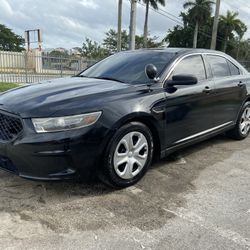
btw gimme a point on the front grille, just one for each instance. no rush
(10, 127)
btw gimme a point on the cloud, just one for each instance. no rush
(5, 7)
(66, 23)
(89, 4)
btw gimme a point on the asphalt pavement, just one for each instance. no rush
(197, 198)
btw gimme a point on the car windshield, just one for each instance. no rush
(128, 67)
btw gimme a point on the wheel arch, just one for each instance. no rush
(247, 99)
(150, 122)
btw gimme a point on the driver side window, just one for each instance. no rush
(191, 65)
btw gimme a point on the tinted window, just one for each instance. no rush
(129, 67)
(219, 66)
(192, 65)
(233, 69)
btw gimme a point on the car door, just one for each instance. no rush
(230, 90)
(189, 109)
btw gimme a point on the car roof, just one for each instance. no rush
(176, 51)
(183, 50)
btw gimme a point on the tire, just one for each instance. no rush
(242, 128)
(128, 155)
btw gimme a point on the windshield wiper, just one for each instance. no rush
(107, 78)
(101, 77)
(80, 76)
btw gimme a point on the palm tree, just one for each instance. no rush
(132, 27)
(154, 5)
(199, 10)
(215, 25)
(230, 23)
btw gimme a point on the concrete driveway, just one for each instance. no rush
(196, 199)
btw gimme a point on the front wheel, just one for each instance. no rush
(128, 155)
(242, 128)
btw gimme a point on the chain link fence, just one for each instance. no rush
(30, 67)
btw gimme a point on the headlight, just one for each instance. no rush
(55, 124)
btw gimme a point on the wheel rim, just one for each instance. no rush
(245, 122)
(131, 155)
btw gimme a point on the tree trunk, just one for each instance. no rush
(195, 35)
(215, 25)
(145, 34)
(225, 42)
(238, 50)
(132, 28)
(119, 30)
(225, 46)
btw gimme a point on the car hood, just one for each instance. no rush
(58, 96)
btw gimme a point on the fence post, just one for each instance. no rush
(61, 66)
(26, 65)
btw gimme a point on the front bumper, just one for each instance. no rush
(53, 156)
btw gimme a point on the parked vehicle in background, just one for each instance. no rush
(116, 116)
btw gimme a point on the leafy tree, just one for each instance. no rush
(110, 41)
(244, 51)
(9, 41)
(230, 23)
(179, 37)
(199, 11)
(182, 36)
(151, 42)
(154, 5)
(92, 50)
(57, 53)
(230, 35)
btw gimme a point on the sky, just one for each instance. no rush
(66, 23)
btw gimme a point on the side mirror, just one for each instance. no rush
(151, 71)
(182, 80)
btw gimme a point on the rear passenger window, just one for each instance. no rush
(191, 65)
(233, 69)
(219, 66)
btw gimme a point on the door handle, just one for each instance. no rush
(206, 90)
(241, 84)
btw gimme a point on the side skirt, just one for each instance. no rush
(193, 140)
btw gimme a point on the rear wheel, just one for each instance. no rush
(242, 128)
(128, 155)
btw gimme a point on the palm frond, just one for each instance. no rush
(154, 4)
(188, 4)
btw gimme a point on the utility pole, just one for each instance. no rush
(215, 25)
(119, 30)
(132, 28)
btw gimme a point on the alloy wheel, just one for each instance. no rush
(245, 121)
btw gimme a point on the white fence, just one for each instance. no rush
(28, 67)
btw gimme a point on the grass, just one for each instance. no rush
(7, 85)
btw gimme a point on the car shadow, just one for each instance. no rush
(93, 205)
(94, 187)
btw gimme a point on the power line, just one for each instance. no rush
(201, 31)
(171, 18)
(168, 13)
(167, 16)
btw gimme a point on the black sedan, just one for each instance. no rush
(115, 117)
